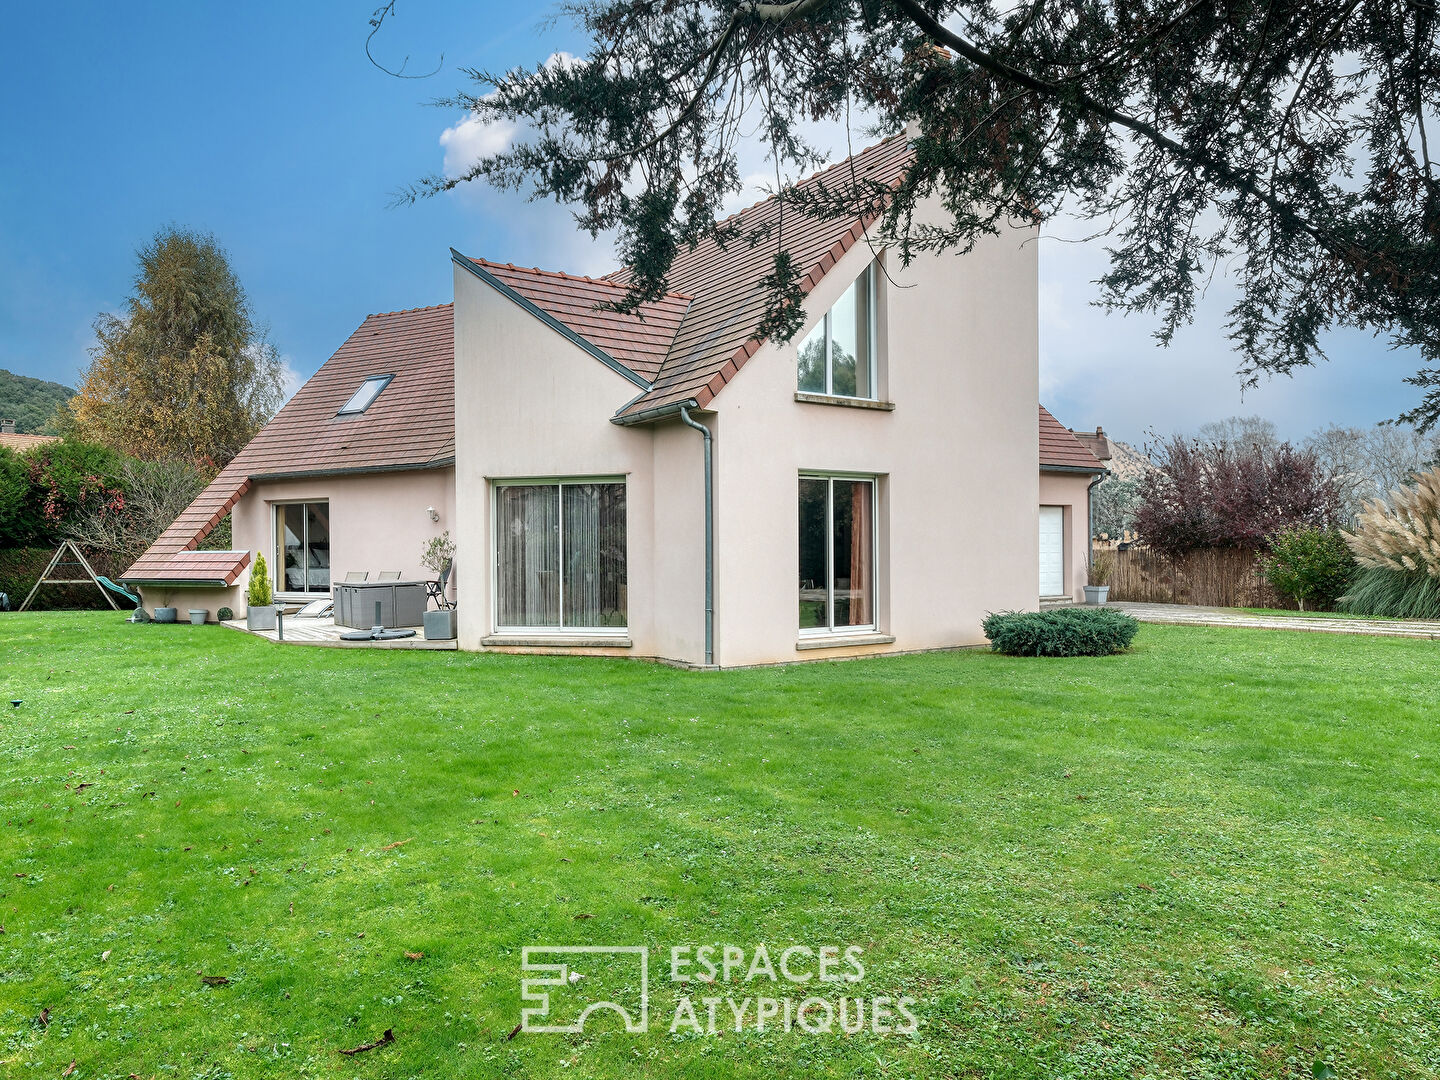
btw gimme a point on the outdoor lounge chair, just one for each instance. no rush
(435, 590)
(389, 575)
(316, 609)
(358, 575)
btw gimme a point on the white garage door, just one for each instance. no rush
(1052, 551)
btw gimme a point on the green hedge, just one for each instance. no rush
(1079, 631)
(20, 568)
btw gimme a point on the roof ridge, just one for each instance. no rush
(411, 311)
(571, 277)
(814, 175)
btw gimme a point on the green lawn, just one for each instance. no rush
(1216, 856)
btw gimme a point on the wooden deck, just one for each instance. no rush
(325, 632)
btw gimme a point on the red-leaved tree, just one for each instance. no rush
(1216, 495)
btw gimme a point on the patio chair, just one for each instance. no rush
(316, 609)
(389, 575)
(357, 575)
(435, 590)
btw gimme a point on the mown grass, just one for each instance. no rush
(1217, 855)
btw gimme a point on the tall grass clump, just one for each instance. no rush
(1397, 548)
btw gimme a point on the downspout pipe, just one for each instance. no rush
(1090, 520)
(690, 421)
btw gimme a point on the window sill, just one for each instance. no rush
(559, 641)
(843, 641)
(844, 402)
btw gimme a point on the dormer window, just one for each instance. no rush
(363, 398)
(837, 358)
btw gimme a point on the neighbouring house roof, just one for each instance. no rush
(687, 346)
(411, 425)
(20, 442)
(1061, 451)
(1097, 442)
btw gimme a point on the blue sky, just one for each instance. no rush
(266, 125)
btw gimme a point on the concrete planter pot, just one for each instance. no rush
(198, 616)
(165, 614)
(440, 625)
(1095, 595)
(260, 618)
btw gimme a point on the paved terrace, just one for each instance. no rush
(1185, 615)
(325, 632)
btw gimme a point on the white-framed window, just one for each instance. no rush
(837, 358)
(837, 553)
(560, 555)
(302, 547)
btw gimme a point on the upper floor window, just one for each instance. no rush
(363, 398)
(838, 356)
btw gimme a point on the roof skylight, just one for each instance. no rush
(366, 395)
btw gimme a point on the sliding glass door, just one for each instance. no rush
(560, 556)
(302, 547)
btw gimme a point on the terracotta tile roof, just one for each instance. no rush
(688, 345)
(410, 425)
(716, 337)
(20, 442)
(1060, 449)
(640, 342)
(203, 567)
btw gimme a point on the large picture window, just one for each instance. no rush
(838, 357)
(302, 547)
(837, 554)
(560, 556)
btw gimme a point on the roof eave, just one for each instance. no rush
(301, 474)
(1090, 469)
(180, 583)
(646, 416)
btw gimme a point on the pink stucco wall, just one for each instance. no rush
(1068, 490)
(957, 461)
(378, 521)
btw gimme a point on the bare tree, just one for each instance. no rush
(156, 492)
(1370, 463)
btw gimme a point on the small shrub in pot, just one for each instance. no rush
(1079, 631)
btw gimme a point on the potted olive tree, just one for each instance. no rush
(439, 557)
(1102, 565)
(260, 612)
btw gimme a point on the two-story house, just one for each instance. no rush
(665, 484)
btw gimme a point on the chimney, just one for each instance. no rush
(7, 427)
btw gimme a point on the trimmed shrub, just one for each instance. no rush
(1308, 564)
(259, 593)
(1061, 632)
(1392, 594)
(224, 615)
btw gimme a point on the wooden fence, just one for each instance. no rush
(1217, 577)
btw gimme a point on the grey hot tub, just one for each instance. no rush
(402, 603)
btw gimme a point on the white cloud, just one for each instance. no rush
(472, 139)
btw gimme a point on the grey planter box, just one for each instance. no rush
(198, 616)
(260, 618)
(165, 614)
(440, 625)
(1095, 595)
